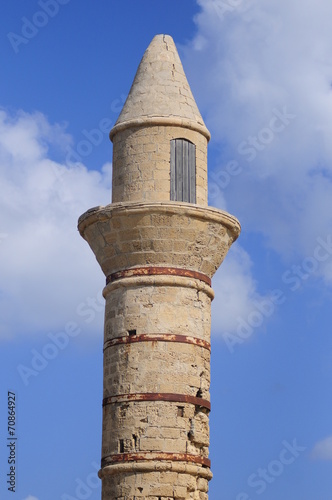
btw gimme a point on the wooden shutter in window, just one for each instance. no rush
(183, 171)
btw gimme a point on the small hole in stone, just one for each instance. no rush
(132, 332)
(140, 489)
(135, 441)
(121, 446)
(180, 411)
(199, 393)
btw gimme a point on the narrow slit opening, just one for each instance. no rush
(199, 393)
(180, 412)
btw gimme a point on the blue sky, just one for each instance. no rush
(261, 73)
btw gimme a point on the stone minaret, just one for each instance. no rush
(158, 244)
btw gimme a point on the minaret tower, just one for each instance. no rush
(158, 244)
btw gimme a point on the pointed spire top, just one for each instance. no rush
(160, 93)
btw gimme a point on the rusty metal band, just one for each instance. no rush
(150, 396)
(157, 271)
(174, 457)
(162, 337)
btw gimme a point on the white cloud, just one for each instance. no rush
(234, 290)
(30, 497)
(237, 305)
(47, 269)
(243, 66)
(323, 449)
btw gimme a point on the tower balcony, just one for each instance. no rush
(182, 236)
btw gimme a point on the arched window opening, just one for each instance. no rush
(183, 171)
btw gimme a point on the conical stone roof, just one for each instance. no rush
(160, 93)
